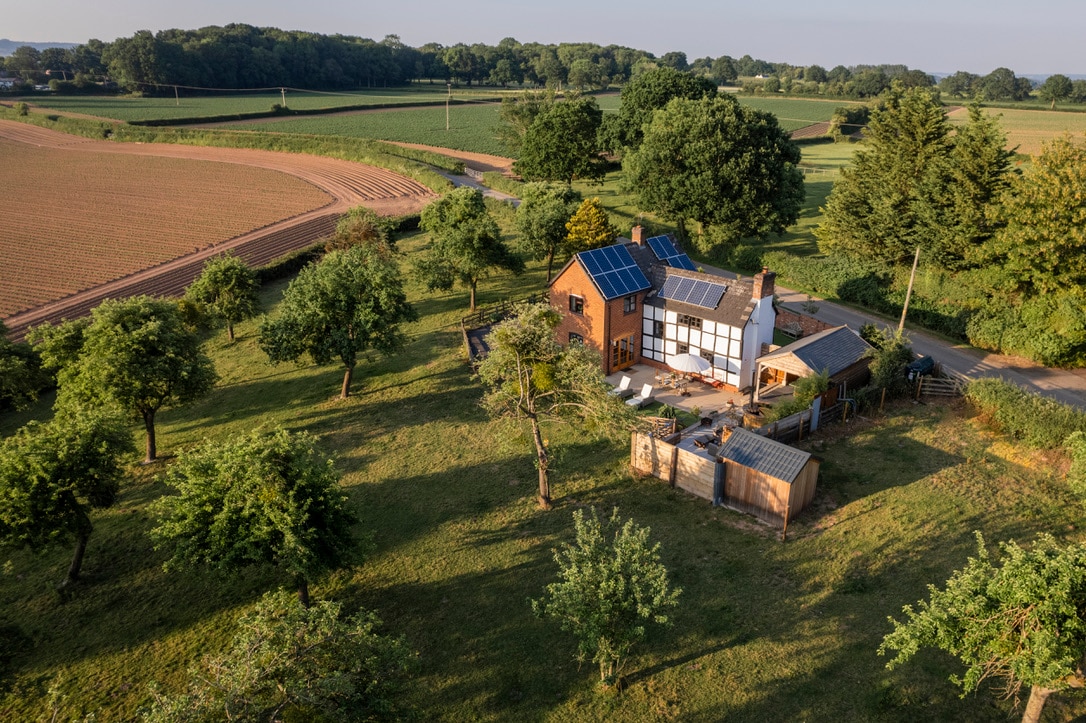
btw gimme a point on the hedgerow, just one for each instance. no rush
(1035, 420)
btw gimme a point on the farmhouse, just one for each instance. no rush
(643, 301)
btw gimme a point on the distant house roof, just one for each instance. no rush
(764, 455)
(834, 349)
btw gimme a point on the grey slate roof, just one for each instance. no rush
(835, 349)
(764, 455)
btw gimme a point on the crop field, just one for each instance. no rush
(471, 127)
(1029, 129)
(77, 219)
(795, 113)
(160, 108)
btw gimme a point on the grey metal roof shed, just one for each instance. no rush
(766, 478)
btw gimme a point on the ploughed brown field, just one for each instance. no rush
(84, 219)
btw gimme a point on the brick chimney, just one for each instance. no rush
(764, 283)
(637, 235)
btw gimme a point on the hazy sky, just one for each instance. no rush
(1040, 36)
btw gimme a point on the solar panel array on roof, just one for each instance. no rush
(693, 291)
(667, 252)
(614, 271)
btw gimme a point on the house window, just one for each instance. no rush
(576, 304)
(629, 304)
(683, 349)
(707, 355)
(692, 321)
(658, 329)
(575, 338)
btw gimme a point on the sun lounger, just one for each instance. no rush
(641, 399)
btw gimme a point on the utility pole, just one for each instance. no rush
(909, 293)
(447, 98)
(176, 97)
(283, 92)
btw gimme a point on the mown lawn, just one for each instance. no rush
(456, 547)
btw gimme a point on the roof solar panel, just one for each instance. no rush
(682, 261)
(705, 294)
(614, 271)
(671, 283)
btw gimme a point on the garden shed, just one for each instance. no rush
(767, 479)
(749, 473)
(839, 350)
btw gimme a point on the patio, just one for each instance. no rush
(699, 394)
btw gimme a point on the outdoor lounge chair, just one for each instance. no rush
(623, 389)
(643, 398)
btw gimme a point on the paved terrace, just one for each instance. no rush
(699, 394)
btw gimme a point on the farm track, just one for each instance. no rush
(349, 184)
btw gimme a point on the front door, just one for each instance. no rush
(622, 353)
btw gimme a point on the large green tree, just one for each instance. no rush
(966, 214)
(562, 143)
(611, 583)
(590, 227)
(1022, 621)
(649, 92)
(541, 219)
(290, 662)
(137, 353)
(517, 114)
(1041, 246)
(880, 206)
(466, 243)
(265, 498)
(341, 307)
(226, 291)
(1055, 88)
(53, 475)
(21, 376)
(528, 375)
(719, 163)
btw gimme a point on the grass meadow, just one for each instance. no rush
(126, 108)
(455, 546)
(470, 127)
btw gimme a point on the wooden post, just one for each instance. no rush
(882, 401)
(919, 386)
(909, 293)
(674, 463)
(800, 428)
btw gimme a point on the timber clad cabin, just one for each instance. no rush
(838, 350)
(643, 301)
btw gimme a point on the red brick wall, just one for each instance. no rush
(600, 322)
(808, 324)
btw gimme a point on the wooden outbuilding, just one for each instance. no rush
(767, 479)
(748, 473)
(839, 350)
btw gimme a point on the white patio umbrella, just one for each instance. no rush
(689, 364)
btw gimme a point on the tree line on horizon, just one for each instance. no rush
(244, 57)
